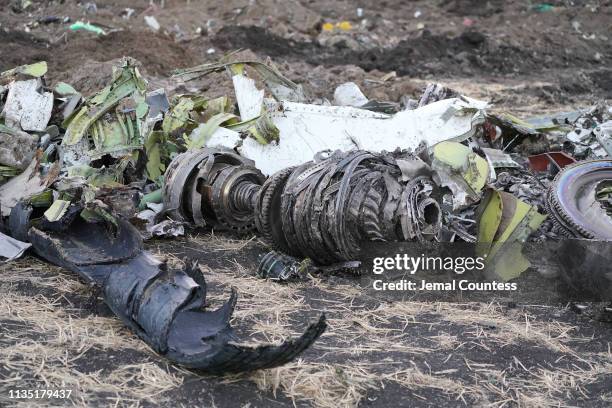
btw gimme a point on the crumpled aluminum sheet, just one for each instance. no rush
(10, 248)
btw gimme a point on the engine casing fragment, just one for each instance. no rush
(212, 187)
(277, 266)
(324, 210)
(328, 208)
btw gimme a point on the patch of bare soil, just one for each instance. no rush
(566, 46)
(374, 353)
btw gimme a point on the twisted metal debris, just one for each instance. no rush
(323, 210)
(164, 306)
(329, 208)
(212, 187)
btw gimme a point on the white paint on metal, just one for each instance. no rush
(26, 107)
(308, 129)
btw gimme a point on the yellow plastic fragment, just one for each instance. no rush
(327, 27)
(344, 25)
(202, 133)
(340, 25)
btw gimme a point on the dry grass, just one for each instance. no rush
(44, 342)
(357, 333)
(493, 323)
(322, 385)
(367, 345)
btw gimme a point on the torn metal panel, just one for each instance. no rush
(305, 130)
(178, 116)
(17, 148)
(513, 125)
(504, 224)
(36, 70)
(57, 210)
(153, 145)
(254, 118)
(156, 228)
(84, 174)
(249, 98)
(158, 104)
(166, 228)
(548, 123)
(412, 167)
(10, 248)
(497, 159)
(263, 129)
(111, 122)
(200, 135)
(554, 161)
(280, 87)
(70, 105)
(603, 134)
(29, 183)
(63, 89)
(165, 307)
(573, 203)
(349, 94)
(461, 170)
(116, 135)
(27, 106)
(224, 137)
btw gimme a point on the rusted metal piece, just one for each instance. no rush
(572, 200)
(331, 207)
(212, 187)
(556, 160)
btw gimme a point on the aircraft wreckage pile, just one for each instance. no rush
(84, 180)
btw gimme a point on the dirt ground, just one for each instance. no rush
(520, 56)
(54, 334)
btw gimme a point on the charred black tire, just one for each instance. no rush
(568, 183)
